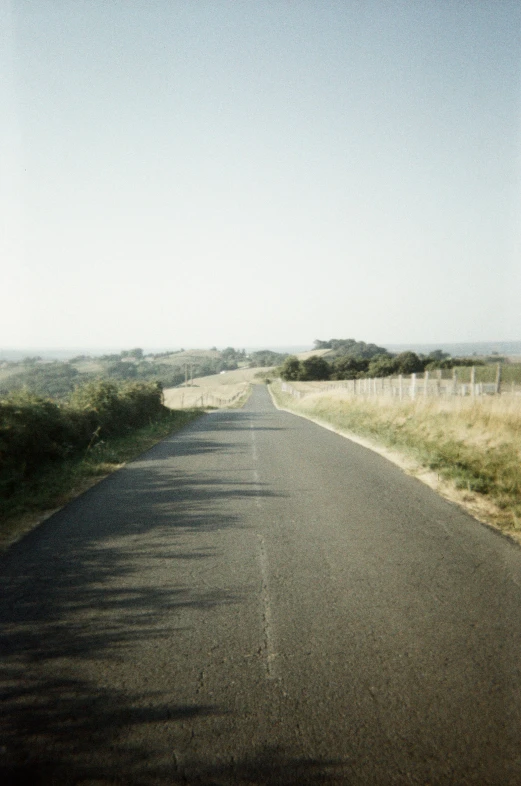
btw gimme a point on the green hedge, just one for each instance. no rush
(35, 431)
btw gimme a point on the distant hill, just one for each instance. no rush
(50, 353)
(15, 355)
(57, 379)
(463, 349)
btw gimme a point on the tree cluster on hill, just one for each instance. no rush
(136, 353)
(349, 366)
(314, 367)
(58, 379)
(231, 355)
(350, 347)
(266, 357)
(167, 375)
(55, 380)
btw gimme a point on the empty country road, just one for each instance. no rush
(258, 600)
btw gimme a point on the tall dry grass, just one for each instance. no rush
(206, 396)
(228, 389)
(475, 444)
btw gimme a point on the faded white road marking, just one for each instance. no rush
(267, 649)
(256, 476)
(267, 628)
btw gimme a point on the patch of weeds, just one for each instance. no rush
(465, 480)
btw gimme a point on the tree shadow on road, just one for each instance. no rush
(81, 592)
(267, 767)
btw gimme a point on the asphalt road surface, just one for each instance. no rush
(258, 600)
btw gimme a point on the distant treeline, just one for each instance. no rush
(352, 359)
(58, 379)
(35, 431)
(350, 347)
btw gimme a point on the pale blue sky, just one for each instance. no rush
(260, 172)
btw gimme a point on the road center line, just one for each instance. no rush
(256, 476)
(267, 647)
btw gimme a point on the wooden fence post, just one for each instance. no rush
(473, 381)
(425, 383)
(438, 383)
(498, 378)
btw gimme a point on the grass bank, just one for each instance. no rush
(232, 396)
(54, 486)
(471, 448)
(229, 389)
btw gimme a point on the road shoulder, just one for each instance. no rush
(476, 505)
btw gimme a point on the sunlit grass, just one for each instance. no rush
(473, 443)
(205, 396)
(228, 389)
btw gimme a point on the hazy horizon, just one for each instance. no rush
(456, 349)
(177, 171)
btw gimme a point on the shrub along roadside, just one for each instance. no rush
(49, 452)
(475, 446)
(56, 484)
(36, 432)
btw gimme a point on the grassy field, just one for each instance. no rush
(175, 359)
(313, 353)
(229, 389)
(52, 488)
(510, 373)
(469, 450)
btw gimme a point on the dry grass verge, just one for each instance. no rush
(229, 389)
(206, 396)
(468, 450)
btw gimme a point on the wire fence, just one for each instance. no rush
(209, 399)
(218, 396)
(428, 384)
